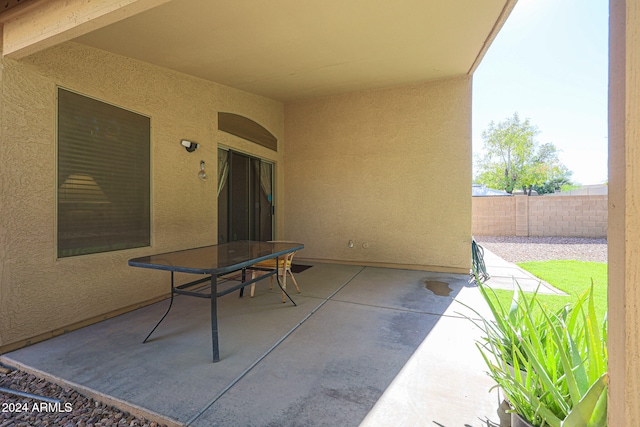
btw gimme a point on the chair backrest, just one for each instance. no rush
(288, 258)
(283, 261)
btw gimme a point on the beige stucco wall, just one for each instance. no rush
(389, 169)
(39, 293)
(624, 213)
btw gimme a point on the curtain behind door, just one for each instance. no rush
(244, 197)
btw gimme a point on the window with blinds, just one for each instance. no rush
(104, 184)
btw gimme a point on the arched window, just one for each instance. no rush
(247, 129)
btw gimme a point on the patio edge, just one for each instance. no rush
(121, 405)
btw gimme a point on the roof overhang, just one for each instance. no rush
(281, 49)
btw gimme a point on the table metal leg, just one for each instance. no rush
(165, 313)
(244, 279)
(214, 321)
(280, 284)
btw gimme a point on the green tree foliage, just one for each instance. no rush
(513, 159)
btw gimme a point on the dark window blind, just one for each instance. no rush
(104, 185)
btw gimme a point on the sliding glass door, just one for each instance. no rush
(245, 197)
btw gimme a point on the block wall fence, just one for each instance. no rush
(540, 216)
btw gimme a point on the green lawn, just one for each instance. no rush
(572, 277)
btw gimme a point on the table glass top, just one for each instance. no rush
(216, 259)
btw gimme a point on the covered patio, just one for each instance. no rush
(367, 112)
(364, 346)
(371, 109)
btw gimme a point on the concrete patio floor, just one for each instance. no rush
(364, 346)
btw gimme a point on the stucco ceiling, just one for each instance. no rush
(297, 49)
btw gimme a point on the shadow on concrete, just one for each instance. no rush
(355, 343)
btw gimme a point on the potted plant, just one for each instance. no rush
(551, 366)
(503, 331)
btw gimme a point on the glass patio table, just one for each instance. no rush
(215, 261)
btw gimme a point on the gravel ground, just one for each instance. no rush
(74, 409)
(522, 249)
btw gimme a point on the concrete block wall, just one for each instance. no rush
(541, 216)
(494, 216)
(522, 215)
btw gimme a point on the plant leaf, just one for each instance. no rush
(583, 413)
(548, 385)
(574, 390)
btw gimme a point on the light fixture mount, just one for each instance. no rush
(189, 145)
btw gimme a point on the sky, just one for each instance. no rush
(549, 63)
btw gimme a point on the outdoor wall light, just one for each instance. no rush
(201, 173)
(190, 146)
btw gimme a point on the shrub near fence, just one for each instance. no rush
(540, 216)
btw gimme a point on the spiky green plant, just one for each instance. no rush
(551, 366)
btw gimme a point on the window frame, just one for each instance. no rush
(146, 207)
